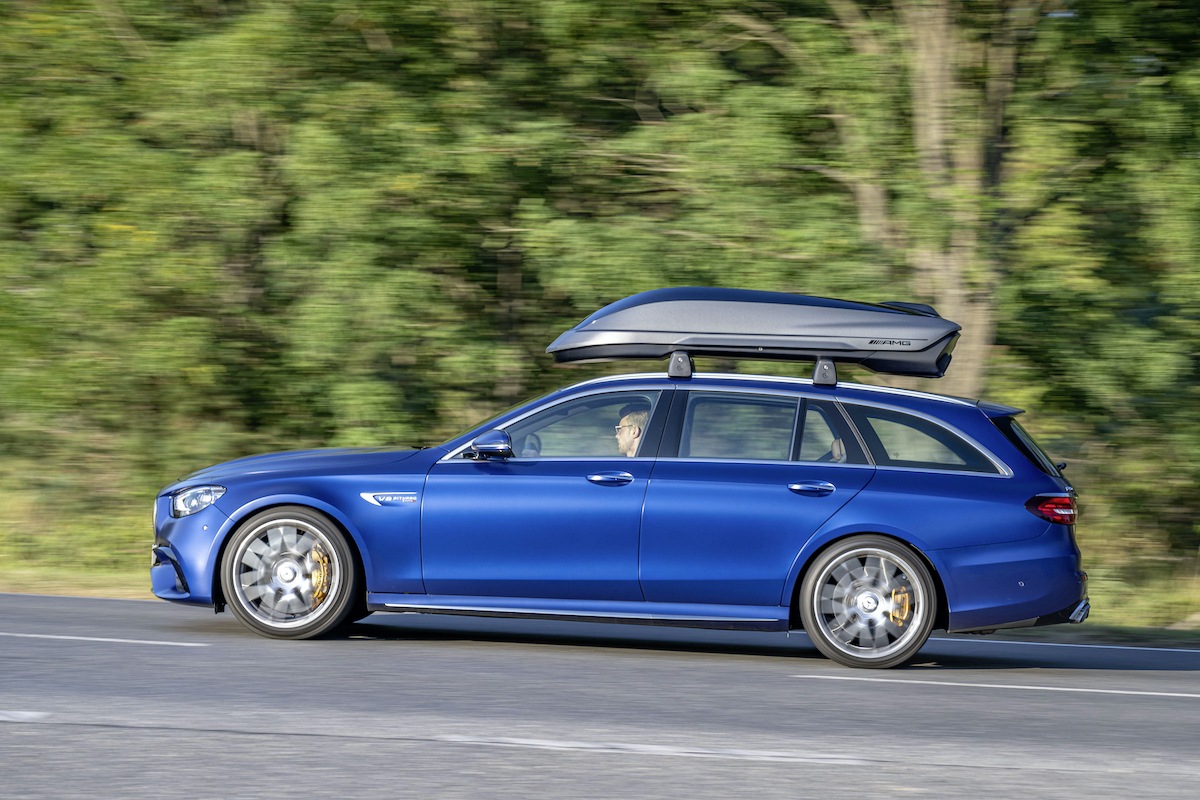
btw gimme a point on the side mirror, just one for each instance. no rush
(492, 444)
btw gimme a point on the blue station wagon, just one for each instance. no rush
(866, 516)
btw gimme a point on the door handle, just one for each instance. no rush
(610, 478)
(812, 488)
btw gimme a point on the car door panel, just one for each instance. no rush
(721, 526)
(715, 532)
(533, 528)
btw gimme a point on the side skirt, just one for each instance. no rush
(756, 618)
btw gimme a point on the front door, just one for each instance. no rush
(560, 519)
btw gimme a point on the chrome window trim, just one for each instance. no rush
(792, 388)
(771, 462)
(581, 459)
(800, 395)
(1006, 474)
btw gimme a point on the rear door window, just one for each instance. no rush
(742, 427)
(897, 439)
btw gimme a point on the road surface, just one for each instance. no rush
(125, 698)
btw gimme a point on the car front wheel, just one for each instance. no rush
(868, 601)
(288, 573)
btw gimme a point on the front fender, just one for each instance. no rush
(243, 512)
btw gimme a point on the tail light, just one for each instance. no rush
(1057, 508)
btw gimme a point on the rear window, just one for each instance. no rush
(1021, 439)
(896, 439)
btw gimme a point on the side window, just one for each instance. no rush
(897, 439)
(826, 437)
(586, 427)
(738, 426)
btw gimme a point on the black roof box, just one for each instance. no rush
(895, 338)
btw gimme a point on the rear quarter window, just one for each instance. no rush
(897, 439)
(1021, 439)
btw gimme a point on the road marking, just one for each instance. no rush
(1070, 644)
(1016, 686)
(653, 750)
(23, 716)
(98, 639)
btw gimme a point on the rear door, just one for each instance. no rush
(743, 481)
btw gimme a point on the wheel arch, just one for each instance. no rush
(246, 512)
(806, 559)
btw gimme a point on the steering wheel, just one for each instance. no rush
(531, 446)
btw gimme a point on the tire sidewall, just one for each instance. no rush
(914, 639)
(337, 605)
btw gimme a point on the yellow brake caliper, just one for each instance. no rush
(321, 574)
(901, 606)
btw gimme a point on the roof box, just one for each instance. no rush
(895, 338)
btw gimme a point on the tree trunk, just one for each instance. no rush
(958, 133)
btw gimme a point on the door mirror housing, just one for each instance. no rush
(492, 444)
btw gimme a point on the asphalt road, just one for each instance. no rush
(125, 698)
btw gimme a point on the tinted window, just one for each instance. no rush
(825, 437)
(1026, 444)
(739, 426)
(897, 439)
(585, 427)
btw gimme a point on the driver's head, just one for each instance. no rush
(630, 429)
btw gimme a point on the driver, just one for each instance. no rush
(629, 430)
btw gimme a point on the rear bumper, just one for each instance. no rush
(1015, 585)
(1071, 614)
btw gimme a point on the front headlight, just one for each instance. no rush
(196, 498)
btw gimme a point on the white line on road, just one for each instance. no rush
(1016, 686)
(653, 750)
(23, 716)
(1069, 644)
(98, 639)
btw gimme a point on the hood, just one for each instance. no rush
(327, 460)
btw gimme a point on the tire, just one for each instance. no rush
(288, 573)
(868, 601)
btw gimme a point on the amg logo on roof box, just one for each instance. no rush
(896, 342)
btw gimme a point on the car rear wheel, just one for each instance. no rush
(868, 601)
(288, 573)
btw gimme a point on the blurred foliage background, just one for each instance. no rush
(229, 226)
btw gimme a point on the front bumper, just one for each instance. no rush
(166, 576)
(183, 554)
